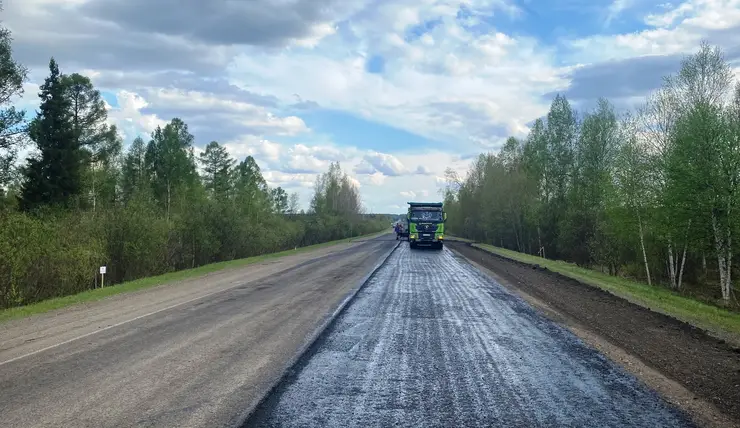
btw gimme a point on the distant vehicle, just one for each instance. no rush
(401, 231)
(426, 224)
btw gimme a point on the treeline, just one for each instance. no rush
(80, 201)
(651, 195)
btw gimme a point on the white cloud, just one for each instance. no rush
(296, 167)
(324, 152)
(129, 119)
(376, 179)
(469, 89)
(307, 163)
(318, 33)
(286, 180)
(677, 30)
(259, 148)
(439, 86)
(243, 113)
(381, 162)
(615, 9)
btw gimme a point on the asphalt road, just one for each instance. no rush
(432, 342)
(196, 353)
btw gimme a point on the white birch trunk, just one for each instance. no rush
(671, 264)
(683, 257)
(642, 246)
(728, 276)
(719, 245)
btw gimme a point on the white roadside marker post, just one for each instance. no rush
(102, 276)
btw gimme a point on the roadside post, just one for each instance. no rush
(102, 276)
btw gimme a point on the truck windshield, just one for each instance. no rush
(418, 215)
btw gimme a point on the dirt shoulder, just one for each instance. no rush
(703, 365)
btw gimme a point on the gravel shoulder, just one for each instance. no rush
(706, 367)
(431, 341)
(195, 353)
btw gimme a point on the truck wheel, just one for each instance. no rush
(412, 245)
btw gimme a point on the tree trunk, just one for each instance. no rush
(541, 250)
(671, 264)
(516, 235)
(642, 246)
(168, 199)
(719, 245)
(728, 276)
(683, 257)
(94, 193)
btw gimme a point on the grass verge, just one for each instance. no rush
(711, 318)
(152, 281)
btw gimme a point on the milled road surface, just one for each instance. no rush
(197, 353)
(432, 342)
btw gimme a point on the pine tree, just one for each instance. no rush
(217, 165)
(134, 176)
(53, 177)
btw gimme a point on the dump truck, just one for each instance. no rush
(426, 224)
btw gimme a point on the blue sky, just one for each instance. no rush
(397, 91)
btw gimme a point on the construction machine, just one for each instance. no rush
(426, 224)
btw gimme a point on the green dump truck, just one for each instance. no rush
(426, 224)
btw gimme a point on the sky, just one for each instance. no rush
(395, 90)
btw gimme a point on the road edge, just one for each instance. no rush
(700, 411)
(311, 339)
(715, 332)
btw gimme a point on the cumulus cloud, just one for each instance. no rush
(252, 73)
(625, 67)
(381, 162)
(435, 83)
(676, 30)
(130, 119)
(289, 180)
(376, 179)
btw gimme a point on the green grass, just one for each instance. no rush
(126, 287)
(703, 315)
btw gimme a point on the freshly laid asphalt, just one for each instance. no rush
(432, 342)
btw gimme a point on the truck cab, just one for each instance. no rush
(426, 224)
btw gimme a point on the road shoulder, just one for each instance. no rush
(22, 337)
(688, 368)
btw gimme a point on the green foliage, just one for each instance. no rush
(54, 176)
(147, 211)
(651, 196)
(12, 121)
(217, 167)
(82, 203)
(46, 256)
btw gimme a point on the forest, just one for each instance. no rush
(80, 201)
(649, 194)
